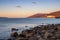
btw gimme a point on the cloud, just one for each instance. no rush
(34, 3)
(18, 6)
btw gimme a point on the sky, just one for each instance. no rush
(25, 8)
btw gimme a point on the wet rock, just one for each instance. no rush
(26, 26)
(22, 35)
(33, 38)
(14, 34)
(22, 39)
(44, 32)
(14, 29)
(9, 39)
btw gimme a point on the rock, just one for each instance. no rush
(33, 38)
(14, 29)
(22, 39)
(14, 34)
(44, 32)
(26, 26)
(22, 35)
(9, 39)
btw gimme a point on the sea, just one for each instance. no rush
(6, 24)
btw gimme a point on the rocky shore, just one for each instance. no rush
(40, 32)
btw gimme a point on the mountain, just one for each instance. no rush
(38, 15)
(50, 15)
(3, 17)
(56, 14)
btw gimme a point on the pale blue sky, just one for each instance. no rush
(24, 8)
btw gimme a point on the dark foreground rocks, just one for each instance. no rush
(41, 32)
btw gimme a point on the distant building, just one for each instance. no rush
(50, 16)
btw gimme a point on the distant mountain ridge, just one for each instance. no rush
(3, 17)
(50, 15)
(37, 15)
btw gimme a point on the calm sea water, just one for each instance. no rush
(20, 23)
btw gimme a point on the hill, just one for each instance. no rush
(50, 15)
(56, 14)
(38, 15)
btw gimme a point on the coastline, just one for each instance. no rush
(40, 32)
